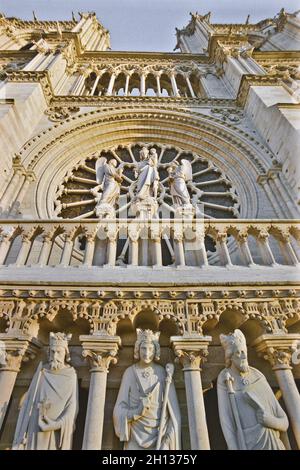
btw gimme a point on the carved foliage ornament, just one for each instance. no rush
(61, 113)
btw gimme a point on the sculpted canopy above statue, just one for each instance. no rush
(250, 415)
(146, 413)
(48, 412)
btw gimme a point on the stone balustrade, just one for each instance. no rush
(155, 243)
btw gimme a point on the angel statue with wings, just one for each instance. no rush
(179, 175)
(109, 179)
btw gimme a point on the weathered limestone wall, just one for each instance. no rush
(279, 126)
(18, 120)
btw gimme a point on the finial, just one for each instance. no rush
(73, 16)
(247, 20)
(34, 16)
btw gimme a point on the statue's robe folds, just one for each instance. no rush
(60, 389)
(142, 433)
(111, 187)
(258, 394)
(178, 189)
(148, 174)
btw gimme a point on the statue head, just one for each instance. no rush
(147, 346)
(144, 154)
(59, 350)
(235, 349)
(153, 151)
(113, 162)
(172, 167)
(2, 354)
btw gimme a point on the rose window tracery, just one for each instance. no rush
(210, 190)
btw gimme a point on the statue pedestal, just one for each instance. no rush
(145, 209)
(105, 211)
(185, 212)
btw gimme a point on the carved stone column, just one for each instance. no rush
(89, 249)
(29, 178)
(111, 84)
(67, 250)
(4, 246)
(158, 85)
(14, 348)
(13, 187)
(143, 85)
(174, 85)
(190, 86)
(221, 243)
(100, 351)
(242, 241)
(279, 349)
(179, 250)
(24, 250)
(45, 250)
(265, 249)
(95, 85)
(112, 250)
(127, 84)
(190, 351)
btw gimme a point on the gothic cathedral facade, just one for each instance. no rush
(150, 192)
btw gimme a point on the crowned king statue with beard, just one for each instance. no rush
(250, 415)
(47, 416)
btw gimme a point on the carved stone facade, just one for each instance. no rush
(153, 191)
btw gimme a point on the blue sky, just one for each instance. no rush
(147, 25)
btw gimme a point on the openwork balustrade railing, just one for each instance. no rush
(155, 243)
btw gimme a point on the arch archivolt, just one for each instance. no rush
(64, 145)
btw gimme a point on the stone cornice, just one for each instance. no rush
(98, 290)
(41, 77)
(35, 24)
(289, 105)
(17, 54)
(275, 55)
(109, 100)
(174, 56)
(218, 40)
(255, 80)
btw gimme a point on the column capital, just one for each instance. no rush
(191, 350)
(17, 348)
(100, 350)
(278, 349)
